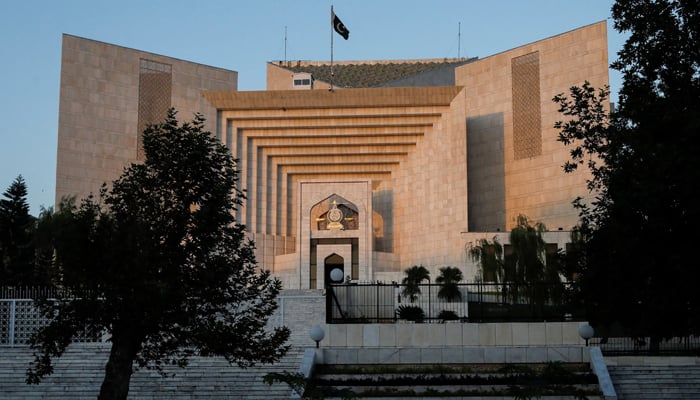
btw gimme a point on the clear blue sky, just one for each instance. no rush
(243, 36)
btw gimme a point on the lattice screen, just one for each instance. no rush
(20, 318)
(527, 120)
(155, 92)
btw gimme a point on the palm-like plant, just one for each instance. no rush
(414, 276)
(449, 279)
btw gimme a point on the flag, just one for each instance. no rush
(339, 26)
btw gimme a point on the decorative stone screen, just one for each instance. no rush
(527, 121)
(155, 92)
(20, 318)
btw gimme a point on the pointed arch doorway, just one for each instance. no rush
(330, 263)
(329, 257)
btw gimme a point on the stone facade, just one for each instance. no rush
(419, 171)
(107, 93)
(501, 184)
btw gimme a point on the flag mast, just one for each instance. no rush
(332, 27)
(338, 26)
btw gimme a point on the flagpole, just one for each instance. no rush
(332, 14)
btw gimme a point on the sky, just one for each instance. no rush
(242, 36)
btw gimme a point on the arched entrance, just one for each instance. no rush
(329, 264)
(335, 219)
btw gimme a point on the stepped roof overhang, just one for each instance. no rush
(341, 98)
(286, 136)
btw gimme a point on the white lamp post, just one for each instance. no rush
(317, 334)
(337, 275)
(586, 332)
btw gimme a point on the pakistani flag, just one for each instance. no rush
(339, 26)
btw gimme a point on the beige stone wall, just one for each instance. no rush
(431, 195)
(455, 335)
(98, 109)
(501, 185)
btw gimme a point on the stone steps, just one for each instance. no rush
(656, 381)
(463, 381)
(79, 374)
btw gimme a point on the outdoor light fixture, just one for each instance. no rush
(337, 275)
(586, 332)
(317, 334)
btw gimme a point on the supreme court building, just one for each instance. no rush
(402, 163)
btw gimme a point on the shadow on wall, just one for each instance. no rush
(486, 181)
(383, 220)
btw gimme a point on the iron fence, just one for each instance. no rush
(477, 302)
(618, 346)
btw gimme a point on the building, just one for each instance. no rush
(402, 163)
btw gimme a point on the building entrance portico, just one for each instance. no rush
(335, 231)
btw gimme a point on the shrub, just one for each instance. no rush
(411, 313)
(448, 315)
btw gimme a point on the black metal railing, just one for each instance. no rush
(477, 302)
(618, 346)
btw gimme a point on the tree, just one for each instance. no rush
(449, 278)
(159, 263)
(526, 262)
(16, 231)
(414, 276)
(489, 255)
(524, 268)
(635, 273)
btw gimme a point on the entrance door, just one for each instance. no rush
(330, 263)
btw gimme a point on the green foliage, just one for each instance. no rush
(449, 278)
(489, 255)
(160, 264)
(307, 388)
(448, 315)
(644, 186)
(414, 276)
(524, 381)
(524, 267)
(17, 237)
(411, 313)
(526, 264)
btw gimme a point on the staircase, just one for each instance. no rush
(458, 381)
(656, 381)
(79, 373)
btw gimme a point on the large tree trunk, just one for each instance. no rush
(119, 368)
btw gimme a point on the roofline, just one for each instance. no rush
(302, 63)
(548, 38)
(147, 52)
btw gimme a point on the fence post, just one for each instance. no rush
(430, 305)
(377, 319)
(329, 304)
(13, 309)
